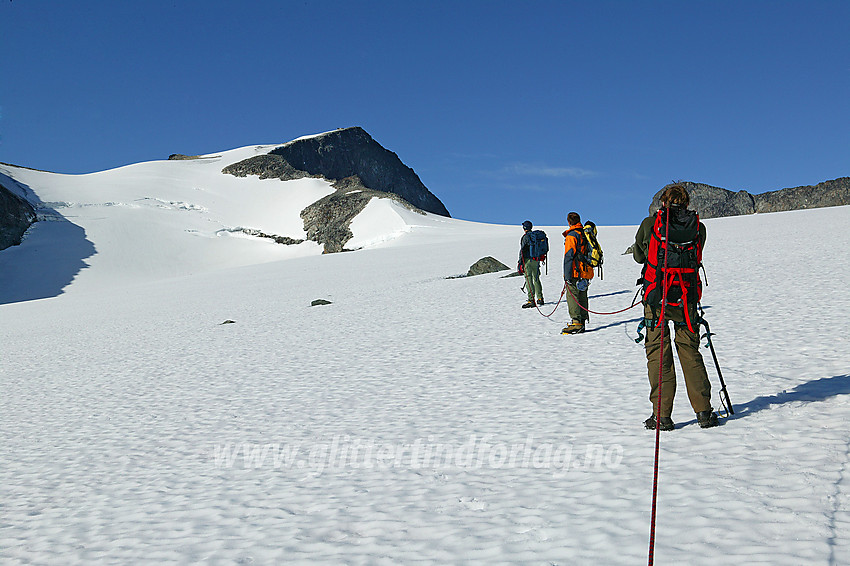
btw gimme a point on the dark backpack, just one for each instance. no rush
(673, 261)
(538, 244)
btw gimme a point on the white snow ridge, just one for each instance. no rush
(414, 420)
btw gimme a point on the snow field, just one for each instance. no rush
(128, 406)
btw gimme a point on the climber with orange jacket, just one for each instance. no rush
(577, 273)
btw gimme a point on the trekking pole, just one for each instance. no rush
(724, 395)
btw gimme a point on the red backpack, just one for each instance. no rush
(676, 245)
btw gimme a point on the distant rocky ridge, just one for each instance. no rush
(361, 170)
(714, 202)
(16, 215)
(181, 157)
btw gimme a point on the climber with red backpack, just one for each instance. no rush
(669, 244)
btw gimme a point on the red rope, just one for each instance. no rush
(657, 411)
(556, 306)
(566, 289)
(634, 304)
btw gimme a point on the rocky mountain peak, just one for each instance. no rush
(340, 154)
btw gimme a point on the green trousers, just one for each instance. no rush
(577, 303)
(687, 347)
(531, 267)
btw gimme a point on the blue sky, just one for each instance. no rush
(506, 110)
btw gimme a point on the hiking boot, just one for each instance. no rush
(528, 305)
(540, 301)
(573, 328)
(707, 419)
(666, 423)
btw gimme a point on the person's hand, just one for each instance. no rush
(519, 268)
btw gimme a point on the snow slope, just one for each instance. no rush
(416, 419)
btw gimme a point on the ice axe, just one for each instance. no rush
(724, 395)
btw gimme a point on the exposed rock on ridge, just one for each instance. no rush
(828, 193)
(328, 220)
(714, 202)
(338, 155)
(711, 202)
(16, 215)
(361, 170)
(266, 167)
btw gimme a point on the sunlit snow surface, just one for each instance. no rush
(416, 419)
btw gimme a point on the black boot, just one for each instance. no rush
(707, 419)
(666, 423)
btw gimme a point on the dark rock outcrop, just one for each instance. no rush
(340, 154)
(16, 215)
(828, 193)
(328, 220)
(487, 264)
(714, 202)
(266, 167)
(484, 265)
(285, 240)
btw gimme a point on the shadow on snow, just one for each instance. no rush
(811, 391)
(52, 254)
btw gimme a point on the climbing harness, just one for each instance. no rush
(649, 323)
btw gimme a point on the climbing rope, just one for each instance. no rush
(566, 290)
(561, 298)
(635, 303)
(657, 411)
